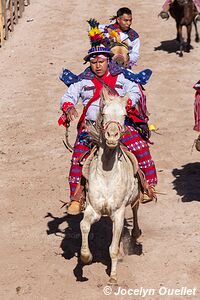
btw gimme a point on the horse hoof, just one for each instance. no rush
(86, 259)
(112, 281)
(180, 54)
(197, 40)
(188, 48)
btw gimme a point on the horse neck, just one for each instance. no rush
(108, 158)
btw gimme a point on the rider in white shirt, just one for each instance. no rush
(127, 35)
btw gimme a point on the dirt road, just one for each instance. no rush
(37, 264)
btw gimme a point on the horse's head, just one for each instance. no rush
(113, 113)
(118, 48)
(121, 54)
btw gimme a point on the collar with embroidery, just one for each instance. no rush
(142, 77)
(132, 34)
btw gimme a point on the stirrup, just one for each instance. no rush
(149, 195)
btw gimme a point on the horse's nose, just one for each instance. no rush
(120, 63)
(112, 136)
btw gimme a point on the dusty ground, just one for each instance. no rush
(36, 263)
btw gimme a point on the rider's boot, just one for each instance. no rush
(149, 194)
(74, 208)
(77, 202)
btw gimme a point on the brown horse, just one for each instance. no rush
(184, 13)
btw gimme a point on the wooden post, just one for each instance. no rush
(11, 15)
(1, 24)
(5, 18)
(16, 11)
(20, 8)
(22, 3)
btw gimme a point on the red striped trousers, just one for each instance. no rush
(135, 144)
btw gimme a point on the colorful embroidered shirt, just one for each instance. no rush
(84, 90)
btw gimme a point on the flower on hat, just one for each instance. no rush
(97, 41)
(95, 34)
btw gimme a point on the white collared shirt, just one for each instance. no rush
(134, 46)
(84, 90)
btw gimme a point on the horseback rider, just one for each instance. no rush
(166, 6)
(126, 34)
(88, 86)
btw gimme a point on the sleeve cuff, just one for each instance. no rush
(129, 104)
(66, 106)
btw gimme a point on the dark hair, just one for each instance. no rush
(123, 10)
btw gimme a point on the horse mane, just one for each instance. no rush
(114, 44)
(94, 130)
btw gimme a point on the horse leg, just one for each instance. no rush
(189, 29)
(177, 35)
(90, 217)
(118, 223)
(196, 32)
(180, 39)
(136, 232)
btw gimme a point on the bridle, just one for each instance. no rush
(118, 56)
(121, 128)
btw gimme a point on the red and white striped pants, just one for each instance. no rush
(135, 144)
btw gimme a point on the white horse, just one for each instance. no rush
(112, 180)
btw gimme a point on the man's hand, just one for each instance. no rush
(72, 114)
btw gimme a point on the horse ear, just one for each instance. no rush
(102, 99)
(104, 96)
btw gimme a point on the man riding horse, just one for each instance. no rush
(121, 31)
(87, 86)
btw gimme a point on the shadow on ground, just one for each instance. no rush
(170, 46)
(100, 238)
(187, 182)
